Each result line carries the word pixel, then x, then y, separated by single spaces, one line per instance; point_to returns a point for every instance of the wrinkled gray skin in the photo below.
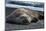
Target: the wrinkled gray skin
pixel 23 16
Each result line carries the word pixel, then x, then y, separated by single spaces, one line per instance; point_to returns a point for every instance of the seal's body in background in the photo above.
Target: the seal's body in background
pixel 23 16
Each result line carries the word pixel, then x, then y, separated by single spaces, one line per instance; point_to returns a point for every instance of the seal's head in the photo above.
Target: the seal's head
pixel 22 16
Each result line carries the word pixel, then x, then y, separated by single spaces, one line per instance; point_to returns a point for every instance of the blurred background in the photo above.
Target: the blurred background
pixel 13 4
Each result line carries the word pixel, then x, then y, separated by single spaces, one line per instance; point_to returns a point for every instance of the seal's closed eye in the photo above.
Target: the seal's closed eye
pixel 17 15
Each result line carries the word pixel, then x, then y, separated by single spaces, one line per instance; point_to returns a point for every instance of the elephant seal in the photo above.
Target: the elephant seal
pixel 23 16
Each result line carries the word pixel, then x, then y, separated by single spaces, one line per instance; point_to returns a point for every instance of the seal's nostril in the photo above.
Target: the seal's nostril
pixel 25 21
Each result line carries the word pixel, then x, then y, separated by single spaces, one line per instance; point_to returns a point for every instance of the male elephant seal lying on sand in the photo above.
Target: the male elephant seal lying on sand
pixel 23 16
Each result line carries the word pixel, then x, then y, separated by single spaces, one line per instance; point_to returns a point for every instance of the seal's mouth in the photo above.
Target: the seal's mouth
pixel 22 20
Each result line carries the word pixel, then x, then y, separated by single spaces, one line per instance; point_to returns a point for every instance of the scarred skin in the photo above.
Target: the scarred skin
pixel 23 16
